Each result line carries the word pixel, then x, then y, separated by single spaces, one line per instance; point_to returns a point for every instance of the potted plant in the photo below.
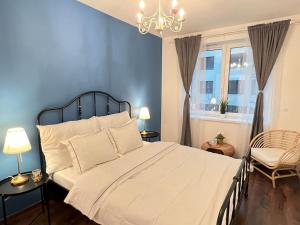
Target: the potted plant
pixel 220 138
pixel 223 106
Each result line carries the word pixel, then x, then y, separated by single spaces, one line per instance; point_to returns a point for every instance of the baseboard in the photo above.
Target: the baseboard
pixel 31 206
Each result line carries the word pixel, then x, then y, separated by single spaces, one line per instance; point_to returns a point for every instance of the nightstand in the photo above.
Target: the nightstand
pixel 150 135
pixel 226 149
pixel 7 190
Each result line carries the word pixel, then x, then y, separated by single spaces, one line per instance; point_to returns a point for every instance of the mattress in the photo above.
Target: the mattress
pixel 66 178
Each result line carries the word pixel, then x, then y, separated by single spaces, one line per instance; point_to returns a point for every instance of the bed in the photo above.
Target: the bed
pixel 159 183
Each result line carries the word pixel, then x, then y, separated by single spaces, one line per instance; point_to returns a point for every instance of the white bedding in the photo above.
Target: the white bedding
pixel 66 178
pixel 160 183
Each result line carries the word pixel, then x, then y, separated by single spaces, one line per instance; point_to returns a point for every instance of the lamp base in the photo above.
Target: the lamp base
pixel 144 132
pixel 19 180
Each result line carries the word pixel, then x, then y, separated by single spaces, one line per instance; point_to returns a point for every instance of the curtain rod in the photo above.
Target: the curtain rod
pixel 296 22
pixel 242 30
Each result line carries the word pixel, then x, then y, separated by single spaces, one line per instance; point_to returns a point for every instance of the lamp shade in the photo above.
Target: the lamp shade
pixel 16 141
pixel 144 113
pixel 213 101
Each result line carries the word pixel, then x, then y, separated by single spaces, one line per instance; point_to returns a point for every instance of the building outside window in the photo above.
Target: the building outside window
pixel 208 62
pixel 206 87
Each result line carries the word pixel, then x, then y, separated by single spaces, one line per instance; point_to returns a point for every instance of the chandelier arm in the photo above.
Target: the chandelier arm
pixel 145 25
pixel 169 20
pixel 144 28
pixel 176 26
pixel 150 17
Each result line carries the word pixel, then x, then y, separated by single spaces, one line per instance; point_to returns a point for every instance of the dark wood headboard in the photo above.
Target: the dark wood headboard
pixel 108 105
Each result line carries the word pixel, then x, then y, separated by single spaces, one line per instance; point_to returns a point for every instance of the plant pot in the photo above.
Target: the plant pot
pixel 220 141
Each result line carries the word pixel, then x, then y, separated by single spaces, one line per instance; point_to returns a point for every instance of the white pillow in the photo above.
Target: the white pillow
pixel 127 137
pixel 87 151
pixel 56 155
pixel 113 120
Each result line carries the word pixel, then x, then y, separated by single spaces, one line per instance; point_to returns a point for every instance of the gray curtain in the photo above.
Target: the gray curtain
pixel 266 41
pixel 187 50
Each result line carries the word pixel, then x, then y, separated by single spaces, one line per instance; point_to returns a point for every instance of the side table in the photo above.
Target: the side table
pixel 7 190
pixel 226 148
pixel 150 135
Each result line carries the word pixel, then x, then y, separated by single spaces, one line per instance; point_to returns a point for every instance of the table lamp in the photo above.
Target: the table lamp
pixel 16 142
pixel 144 115
pixel 213 102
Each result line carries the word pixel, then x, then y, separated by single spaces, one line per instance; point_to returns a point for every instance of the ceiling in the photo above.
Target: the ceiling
pixel 203 14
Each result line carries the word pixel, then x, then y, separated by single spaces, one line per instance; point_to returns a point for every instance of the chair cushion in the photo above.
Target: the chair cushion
pixel 268 156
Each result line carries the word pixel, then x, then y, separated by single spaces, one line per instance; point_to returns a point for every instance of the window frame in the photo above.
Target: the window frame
pixel 224 82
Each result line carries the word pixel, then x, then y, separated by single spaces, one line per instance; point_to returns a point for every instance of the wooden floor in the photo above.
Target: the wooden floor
pixel 268 206
pixel 264 206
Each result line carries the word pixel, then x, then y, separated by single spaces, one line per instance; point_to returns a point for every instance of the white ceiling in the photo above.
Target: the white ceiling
pixel 203 14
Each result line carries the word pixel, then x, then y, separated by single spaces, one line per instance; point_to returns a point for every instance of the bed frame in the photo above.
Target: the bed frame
pixel 237 190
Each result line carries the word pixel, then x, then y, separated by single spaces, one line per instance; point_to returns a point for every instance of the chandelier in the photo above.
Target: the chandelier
pixel 160 20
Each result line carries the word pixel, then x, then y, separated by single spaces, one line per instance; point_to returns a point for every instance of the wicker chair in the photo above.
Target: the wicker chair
pixel 277 150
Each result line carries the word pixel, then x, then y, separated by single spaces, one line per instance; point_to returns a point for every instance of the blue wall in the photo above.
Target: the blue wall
pixel 52 50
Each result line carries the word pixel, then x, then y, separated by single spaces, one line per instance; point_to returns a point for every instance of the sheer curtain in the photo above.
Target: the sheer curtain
pixel 207 80
pixel 199 88
pixel 272 94
pixel 247 101
pixel 200 99
pixel 206 120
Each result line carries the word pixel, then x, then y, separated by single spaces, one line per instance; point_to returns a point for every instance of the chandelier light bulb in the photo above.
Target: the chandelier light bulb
pixel 174 9
pixel 139 18
pixel 174 4
pixel 142 5
pixel 181 14
pixel 160 26
pixel 161 21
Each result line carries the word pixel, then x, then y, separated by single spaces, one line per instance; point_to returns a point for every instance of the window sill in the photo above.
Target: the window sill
pixel 227 118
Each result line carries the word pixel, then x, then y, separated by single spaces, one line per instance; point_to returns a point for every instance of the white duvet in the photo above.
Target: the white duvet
pixel 161 183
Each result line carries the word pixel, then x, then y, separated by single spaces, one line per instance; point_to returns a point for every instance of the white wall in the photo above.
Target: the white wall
pixel 289 113
pixel 288 105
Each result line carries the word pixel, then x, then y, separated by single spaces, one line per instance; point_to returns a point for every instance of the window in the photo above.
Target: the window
pixel 225 70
